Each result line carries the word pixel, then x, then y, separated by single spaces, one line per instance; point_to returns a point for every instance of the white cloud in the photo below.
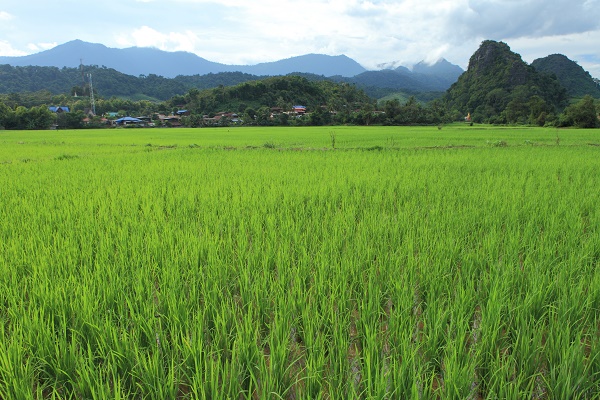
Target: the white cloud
pixel 505 19
pixel 4 16
pixel 6 49
pixel 36 47
pixel 146 36
pixel 369 31
pixel 47 46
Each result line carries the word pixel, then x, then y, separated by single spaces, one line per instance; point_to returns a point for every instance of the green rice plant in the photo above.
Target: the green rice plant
pixel 275 366
pixel 247 355
pixel 17 373
pixel 404 340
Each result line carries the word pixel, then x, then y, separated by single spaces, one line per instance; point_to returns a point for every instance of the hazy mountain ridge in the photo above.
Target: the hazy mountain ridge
pixel 145 61
pixel 137 62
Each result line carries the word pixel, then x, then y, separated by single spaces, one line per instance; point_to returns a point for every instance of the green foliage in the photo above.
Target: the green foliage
pixel 24 118
pixel 5 115
pixel 413 112
pixel 404 96
pixel 259 96
pixel 108 82
pixel 583 114
pixel 70 120
pixel 500 87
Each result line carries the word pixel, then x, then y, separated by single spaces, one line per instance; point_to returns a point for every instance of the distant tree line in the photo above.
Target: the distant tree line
pixel 269 101
pixel 25 118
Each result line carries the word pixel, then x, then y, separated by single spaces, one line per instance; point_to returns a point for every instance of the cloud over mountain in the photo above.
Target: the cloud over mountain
pixel 508 19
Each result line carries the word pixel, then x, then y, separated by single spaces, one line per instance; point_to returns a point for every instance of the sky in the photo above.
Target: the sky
pixel 374 33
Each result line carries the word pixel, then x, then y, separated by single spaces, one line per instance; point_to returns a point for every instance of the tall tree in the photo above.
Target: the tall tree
pixel 583 114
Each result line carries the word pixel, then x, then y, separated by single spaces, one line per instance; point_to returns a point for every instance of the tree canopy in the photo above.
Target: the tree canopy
pixel 281 91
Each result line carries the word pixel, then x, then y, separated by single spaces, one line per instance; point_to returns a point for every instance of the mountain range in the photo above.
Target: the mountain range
pixel 145 61
pixel 158 74
pixel 138 61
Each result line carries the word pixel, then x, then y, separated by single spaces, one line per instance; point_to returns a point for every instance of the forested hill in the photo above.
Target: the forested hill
pixel 571 75
pixel 108 82
pixel 278 91
pixel 500 87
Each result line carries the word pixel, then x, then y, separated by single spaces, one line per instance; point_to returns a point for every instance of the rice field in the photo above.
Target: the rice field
pixel 300 263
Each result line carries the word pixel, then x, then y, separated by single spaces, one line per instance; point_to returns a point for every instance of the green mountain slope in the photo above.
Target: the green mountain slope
pixel 500 87
pixel 571 75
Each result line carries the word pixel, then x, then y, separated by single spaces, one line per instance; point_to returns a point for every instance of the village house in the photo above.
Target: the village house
pixel 170 120
pixel 102 121
pixel 299 110
pixel 220 117
pixel 59 110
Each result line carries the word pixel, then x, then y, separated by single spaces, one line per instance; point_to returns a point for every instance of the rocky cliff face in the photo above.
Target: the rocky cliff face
pixel 496 57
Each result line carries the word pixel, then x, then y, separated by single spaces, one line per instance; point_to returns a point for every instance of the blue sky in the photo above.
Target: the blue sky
pixel 372 32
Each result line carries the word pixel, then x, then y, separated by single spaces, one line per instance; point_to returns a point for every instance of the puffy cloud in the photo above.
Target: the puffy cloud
pixel 4 16
pixel 146 36
pixel 6 49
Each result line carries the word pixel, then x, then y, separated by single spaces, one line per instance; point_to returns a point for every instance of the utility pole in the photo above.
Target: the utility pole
pixel 92 101
pixel 82 76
